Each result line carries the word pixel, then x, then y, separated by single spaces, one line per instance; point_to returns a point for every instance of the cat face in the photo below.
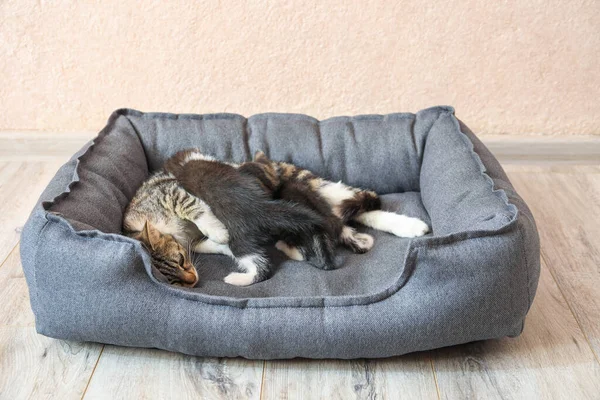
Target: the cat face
pixel 168 256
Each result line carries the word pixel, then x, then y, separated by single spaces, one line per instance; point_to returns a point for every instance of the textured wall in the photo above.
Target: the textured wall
pixel 523 66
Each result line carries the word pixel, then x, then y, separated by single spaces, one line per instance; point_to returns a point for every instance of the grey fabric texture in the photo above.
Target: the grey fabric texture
pixel 473 278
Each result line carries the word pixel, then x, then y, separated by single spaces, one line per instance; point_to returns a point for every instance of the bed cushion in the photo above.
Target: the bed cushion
pixel 474 277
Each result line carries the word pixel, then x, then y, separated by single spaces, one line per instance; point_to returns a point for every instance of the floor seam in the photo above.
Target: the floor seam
pixel 262 380
pixel 9 253
pixel 435 379
pixel 93 371
pixel 585 335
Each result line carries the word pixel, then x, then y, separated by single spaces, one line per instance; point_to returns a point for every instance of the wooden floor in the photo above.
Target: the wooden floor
pixel 557 356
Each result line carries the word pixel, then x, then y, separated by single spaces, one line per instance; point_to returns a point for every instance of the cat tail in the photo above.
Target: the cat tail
pixel 301 227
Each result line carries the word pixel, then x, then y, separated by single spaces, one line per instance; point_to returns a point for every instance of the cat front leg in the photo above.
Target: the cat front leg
pixel 209 247
pixel 193 209
pixel 212 227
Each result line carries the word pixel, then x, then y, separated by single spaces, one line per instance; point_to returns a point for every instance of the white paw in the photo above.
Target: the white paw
pixel 411 227
pixel 210 247
pixel 291 252
pixel 281 246
pixel 224 249
pixel 218 235
pixel 240 279
pixel 364 241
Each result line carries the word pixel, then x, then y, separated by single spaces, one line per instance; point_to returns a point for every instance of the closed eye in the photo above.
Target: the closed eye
pixel 181 260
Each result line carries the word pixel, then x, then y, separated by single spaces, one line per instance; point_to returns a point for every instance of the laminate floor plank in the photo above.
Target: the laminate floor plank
pixel 567 211
pixel 406 377
pixel 21 183
pixel 34 366
pixel 130 373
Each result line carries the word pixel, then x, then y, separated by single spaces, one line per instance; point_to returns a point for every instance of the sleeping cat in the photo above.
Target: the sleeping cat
pixel 199 204
pixel 163 216
pixel 337 203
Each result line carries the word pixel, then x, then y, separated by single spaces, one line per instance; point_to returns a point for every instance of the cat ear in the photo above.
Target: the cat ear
pixel 148 235
pixel 260 156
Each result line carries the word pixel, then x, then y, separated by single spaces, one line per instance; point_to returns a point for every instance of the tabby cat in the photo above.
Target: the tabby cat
pixel 196 203
pixel 337 203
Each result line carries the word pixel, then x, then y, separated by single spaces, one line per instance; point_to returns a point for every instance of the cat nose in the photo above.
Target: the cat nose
pixel 189 277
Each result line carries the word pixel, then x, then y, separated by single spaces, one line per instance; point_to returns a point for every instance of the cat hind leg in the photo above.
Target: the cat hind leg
pixel 358 242
pixel 290 251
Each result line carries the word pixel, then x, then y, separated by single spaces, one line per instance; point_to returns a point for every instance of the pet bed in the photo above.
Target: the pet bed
pixel 474 277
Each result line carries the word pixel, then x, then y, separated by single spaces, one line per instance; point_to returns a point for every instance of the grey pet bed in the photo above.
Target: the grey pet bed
pixel 473 278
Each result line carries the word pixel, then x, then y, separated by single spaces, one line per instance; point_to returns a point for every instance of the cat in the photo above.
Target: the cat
pixel 196 203
pixel 337 203
pixel 165 218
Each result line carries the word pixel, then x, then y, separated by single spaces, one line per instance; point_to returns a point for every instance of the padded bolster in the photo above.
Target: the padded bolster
pixel 106 178
pixel 391 153
pixel 455 189
pixel 379 152
pixel 527 227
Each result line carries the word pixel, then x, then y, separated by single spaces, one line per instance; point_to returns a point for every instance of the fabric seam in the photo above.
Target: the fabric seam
pixel 35 267
pixel 527 268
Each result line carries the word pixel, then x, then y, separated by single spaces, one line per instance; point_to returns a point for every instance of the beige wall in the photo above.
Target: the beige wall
pixel 508 67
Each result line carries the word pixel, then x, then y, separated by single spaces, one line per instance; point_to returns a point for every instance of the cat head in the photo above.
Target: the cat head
pixel 168 256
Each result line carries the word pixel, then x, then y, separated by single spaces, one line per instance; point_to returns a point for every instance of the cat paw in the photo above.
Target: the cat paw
pixel 411 227
pixel 362 242
pixel 240 278
pixel 291 252
pixel 220 236
pixel 210 247
pixel 359 242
